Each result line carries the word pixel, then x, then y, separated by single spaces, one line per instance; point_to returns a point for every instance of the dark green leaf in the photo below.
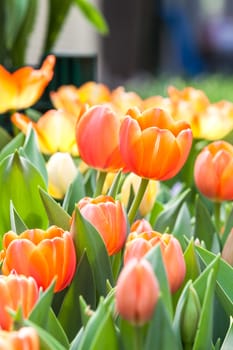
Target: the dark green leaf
pixel 5 138
pixel 228 341
pixel 82 284
pixel 56 214
pixel 75 192
pixel 10 147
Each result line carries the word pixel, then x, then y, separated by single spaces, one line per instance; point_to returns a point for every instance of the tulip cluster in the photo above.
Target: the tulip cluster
pixel 99 225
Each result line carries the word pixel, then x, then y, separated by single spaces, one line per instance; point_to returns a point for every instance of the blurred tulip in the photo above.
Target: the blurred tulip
pixel 67 99
pixel 25 86
pixel 55 131
pixel 97 136
pixel 43 255
pixel 122 100
pixel 25 338
pixel 109 219
pixel 138 244
pixel 93 93
pixel 149 197
pixel 61 172
pixel 137 292
pixel 213 171
pixel 140 226
pixel 17 291
pixel 152 145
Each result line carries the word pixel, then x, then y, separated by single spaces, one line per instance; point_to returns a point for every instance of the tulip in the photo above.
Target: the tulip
pixel 137 292
pixel 153 145
pixel 61 172
pixel 97 136
pixel 93 93
pixel 213 171
pixel 108 218
pixel 149 197
pixel 43 255
pixel 25 86
pixel 138 244
pixel 25 338
pixel 121 100
pixel 17 291
pixel 55 131
pixel 140 226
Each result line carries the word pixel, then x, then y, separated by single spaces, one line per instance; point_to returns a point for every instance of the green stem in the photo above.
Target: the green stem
pixel 137 200
pixel 138 344
pixel 101 176
pixel 217 216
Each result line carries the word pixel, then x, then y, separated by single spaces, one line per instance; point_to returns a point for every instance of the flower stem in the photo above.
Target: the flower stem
pixel 137 200
pixel 100 182
pixel 217 216
pixel 138 338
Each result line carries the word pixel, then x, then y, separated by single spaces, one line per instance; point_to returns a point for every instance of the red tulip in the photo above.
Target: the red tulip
pixel 213 171
pixel 109 219
pixel 138 244
pixel 16 291
pixel 25 86
pixel 25 338
pixel 137 292
pixel 153 145
pixel 43 255
pixel 97 136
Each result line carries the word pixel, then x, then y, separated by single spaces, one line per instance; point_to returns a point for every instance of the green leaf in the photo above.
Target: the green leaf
pixel 57 13
pixel 17 224
pixel 82 284
pixel 100 331
pixel 203 339
pixel 183 225
pixel 228 341
pixel 75 192
pixel 56 214
pixel 224 279
pixel 192 264
pixel 167 218
pixel 164 337
pixel 227 227
pixel 93 15
pixel 5 138
pixel 204 229
pixel 114 189
pixel 39 314
pixel 19 182
pixel 155 211
pixel 31 150
pixel 154 256
pixel 47 341
pixel 18 51
pixel 14 144
pixel 55 329
pixel 88 239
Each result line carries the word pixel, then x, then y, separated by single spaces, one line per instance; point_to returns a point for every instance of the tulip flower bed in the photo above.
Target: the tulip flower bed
pixel 116 218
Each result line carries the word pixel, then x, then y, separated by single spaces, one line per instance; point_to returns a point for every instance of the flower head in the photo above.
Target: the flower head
pixel 26 338
pixel 213 171
pixel 153 145
pixel 137 292
pixel 25 86
pixel 43 255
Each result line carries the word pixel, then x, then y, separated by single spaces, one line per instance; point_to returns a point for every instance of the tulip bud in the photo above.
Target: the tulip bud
pixel 61 172
pixel 137 291
pixel 190 316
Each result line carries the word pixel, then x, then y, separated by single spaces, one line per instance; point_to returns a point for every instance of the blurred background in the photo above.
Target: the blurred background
pixel 147 39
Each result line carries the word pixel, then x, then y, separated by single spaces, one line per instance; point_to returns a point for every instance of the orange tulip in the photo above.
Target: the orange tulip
pixel 122 100
pixel 109 219
pixel 138 244
pixel 25 338
pixel 16 291
pixel 43 255
pixel 153 145
pixel 93 93
pixel 137 292
pixel 25 86
pixel 55 131
pixel 140 225
pixel 97 136
pixel 213 171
